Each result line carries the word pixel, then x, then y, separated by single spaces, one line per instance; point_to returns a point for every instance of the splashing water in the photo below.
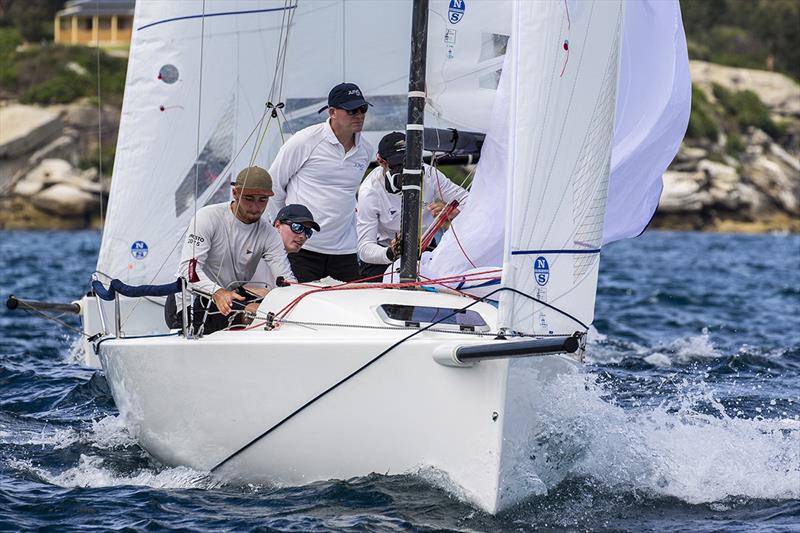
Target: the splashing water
pixel 675 449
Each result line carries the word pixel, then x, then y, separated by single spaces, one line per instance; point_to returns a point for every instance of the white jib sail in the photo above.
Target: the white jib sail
pixel 561 126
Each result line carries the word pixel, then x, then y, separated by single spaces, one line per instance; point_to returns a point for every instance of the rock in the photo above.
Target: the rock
pixel 77 69
pixel 24 128
pixel 790 161
pixel 691 153
pixel 51 171
pixel 683 192
pixel 772 179
pixel 81 115
pixel 66 200
pixel 780 93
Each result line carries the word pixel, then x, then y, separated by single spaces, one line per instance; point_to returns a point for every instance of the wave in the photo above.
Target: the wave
pixel 92 471
pixel 675 449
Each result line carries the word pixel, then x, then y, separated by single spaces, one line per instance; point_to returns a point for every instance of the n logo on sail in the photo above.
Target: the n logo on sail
pixel 456 11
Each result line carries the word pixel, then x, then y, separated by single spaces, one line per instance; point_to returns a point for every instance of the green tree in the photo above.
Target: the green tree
pixel 33 18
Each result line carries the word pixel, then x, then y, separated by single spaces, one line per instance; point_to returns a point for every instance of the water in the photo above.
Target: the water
pixel 688 420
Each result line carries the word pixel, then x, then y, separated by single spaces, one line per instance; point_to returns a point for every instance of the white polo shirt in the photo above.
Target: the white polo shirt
pixel 228 251
pixel 379 212
pixel 313 169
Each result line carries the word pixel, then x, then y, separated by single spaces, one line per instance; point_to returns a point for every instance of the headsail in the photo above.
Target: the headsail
pixel 652 112
pixel 561 125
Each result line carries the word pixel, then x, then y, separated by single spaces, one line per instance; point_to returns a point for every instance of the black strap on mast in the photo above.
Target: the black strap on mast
pixel 412 171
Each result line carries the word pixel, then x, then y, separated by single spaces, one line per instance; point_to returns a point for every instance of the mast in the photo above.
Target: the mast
pixel 412 168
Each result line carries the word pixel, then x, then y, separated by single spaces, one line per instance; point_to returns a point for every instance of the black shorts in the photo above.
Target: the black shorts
pixel 312 266
pixel 214 321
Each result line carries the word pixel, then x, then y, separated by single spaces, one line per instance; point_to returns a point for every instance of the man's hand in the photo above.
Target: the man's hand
pixel 395 248
pixel 436 207
pixel 224 300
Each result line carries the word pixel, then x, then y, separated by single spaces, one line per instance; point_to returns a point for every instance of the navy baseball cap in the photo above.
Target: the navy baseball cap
pixel 392 148
pixel 345 96
pixel 296 213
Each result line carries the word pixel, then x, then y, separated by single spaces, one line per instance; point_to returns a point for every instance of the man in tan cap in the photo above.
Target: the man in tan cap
pixel 224 244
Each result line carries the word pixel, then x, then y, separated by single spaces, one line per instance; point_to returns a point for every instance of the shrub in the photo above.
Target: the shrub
pixel 9 40
pixel 746 109
pixel 63 88
pixel 701 120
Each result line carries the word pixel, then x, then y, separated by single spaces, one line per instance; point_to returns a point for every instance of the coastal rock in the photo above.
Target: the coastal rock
pixel 684 192
pixel 55 172
pixel 772 179
pixel 65 199
pixel 25 128
pixel 780 93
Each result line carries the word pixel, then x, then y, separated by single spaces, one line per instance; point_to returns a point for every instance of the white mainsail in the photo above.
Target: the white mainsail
pixel 256 52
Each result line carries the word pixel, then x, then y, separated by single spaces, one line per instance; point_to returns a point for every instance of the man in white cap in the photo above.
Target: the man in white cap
pixel 225 243
pixel 321 168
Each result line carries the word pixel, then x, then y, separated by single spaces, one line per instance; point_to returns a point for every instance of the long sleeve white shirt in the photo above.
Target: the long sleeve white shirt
pixel 313 169
pixel 228 250
pixel 379 212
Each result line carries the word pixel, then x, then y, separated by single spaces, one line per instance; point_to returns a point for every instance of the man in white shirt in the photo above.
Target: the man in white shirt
pixel 224 244
pixel 380 201
pixel 321 167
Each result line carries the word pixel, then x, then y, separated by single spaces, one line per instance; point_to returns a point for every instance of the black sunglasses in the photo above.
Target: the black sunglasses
pixel 298 228
pixel 363 110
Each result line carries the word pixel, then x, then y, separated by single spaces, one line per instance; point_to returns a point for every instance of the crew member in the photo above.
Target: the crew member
pixel 295 224
pixel 321 167
pixel 379 205
pixel 224 244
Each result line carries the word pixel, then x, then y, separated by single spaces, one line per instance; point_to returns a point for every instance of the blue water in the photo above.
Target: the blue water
pixel 688 418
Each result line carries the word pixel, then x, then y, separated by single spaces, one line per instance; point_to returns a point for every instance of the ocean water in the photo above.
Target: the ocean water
pixel 688 418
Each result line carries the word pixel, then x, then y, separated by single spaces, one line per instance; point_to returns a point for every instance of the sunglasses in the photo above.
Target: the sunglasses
pixel 298 228
pixel 363 110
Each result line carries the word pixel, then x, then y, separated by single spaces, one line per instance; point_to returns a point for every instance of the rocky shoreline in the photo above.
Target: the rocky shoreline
pixel 708 187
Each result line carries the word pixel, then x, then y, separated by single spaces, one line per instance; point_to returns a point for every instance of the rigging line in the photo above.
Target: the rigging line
pixel 197 142
pixel 364 367
pixel 336 385
pixel 283 44
pixel 99 115
pixel 344 41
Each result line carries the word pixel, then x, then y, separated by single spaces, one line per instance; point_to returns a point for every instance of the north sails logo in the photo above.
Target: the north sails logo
pixel 456 11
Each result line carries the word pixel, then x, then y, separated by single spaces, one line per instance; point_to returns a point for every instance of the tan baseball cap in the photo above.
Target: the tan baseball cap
pixel 253 178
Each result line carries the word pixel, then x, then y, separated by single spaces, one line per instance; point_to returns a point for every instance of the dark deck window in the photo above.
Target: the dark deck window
pixel 425 315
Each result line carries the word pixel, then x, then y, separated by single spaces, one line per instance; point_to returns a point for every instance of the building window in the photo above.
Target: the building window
pixel 64 23
pixel 123 23
pixel 104 24
pixel 86 24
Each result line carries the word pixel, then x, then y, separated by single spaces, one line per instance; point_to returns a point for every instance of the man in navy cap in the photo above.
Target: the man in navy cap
pixel 295 225
pixel 321 167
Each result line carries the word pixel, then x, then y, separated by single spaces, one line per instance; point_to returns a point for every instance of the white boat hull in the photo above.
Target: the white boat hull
pixel 196 402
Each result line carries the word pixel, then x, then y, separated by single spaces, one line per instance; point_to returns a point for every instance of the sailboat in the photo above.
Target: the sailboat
pixel 339 380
